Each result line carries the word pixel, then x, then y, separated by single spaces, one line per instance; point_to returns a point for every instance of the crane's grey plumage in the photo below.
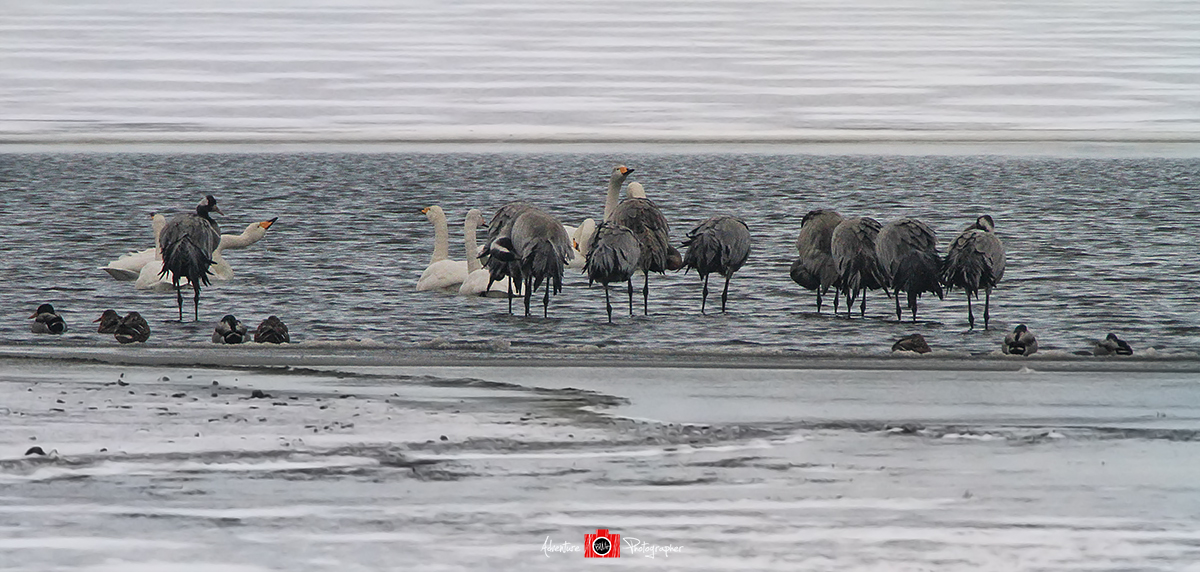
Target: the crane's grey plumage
pixel 188 242
pixel 229 331
pixel 539 248
pixel 47 321
pixel 852 246
pixel 1020 342
pixel 814 269
pixel 499 261
pixel 907 252
pixel 132 328
pixel 108 322
pixel 612 257
pixel 272 331
pixel 975 261
pixel 642 216
pixel 619 173
pixel 720 244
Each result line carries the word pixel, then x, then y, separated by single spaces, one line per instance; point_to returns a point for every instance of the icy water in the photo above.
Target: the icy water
pixel 628 69
pixel 165 467
pixel 1094 245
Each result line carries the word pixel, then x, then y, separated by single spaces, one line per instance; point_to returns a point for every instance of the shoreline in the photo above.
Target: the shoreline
pixel 322 355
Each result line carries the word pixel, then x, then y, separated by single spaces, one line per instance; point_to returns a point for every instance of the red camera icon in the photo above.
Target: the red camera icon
pixel 602 544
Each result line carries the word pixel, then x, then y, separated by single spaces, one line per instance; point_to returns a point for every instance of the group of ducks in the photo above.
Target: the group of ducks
pixel 526 247
pixel 132 327
pixel 1020 342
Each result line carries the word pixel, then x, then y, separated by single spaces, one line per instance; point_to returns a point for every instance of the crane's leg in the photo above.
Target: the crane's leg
pixel 195 301
pixel 510 295
pixel 704 294
pixel 607 303
pixel 836 298
pixel 987 301
pixel 898 318
pixel 528 293
pixel 179 300
pixel 970 314
pixel 725 294
pixel 630 296
pixel 646 295
pixel 818 299
pixel 912 303
pixel 862 309
pixel 546 301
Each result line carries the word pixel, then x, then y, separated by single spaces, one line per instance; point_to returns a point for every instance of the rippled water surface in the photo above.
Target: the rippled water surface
pixel 1094 245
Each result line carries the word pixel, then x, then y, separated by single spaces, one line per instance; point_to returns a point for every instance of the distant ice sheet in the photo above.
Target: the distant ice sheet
pixel 534 69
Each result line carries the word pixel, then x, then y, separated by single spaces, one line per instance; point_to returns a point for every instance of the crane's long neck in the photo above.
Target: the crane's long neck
pixel 441 240
pixel 614 196
pixel 469 242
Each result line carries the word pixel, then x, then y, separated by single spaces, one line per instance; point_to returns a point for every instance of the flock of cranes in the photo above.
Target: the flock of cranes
pixel 527 247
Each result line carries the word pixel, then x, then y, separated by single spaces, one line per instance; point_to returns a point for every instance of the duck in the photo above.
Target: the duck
pixel 108 322
pixel 132 328
pixel 912 343
pixel 272 331
pixel 47 321
pixel 442 273
pixel 1112 345
pixel 229 331
pixel 1021 342
pixel 151 277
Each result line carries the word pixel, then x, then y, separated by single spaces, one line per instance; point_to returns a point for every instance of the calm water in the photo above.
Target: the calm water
pixel 1094 245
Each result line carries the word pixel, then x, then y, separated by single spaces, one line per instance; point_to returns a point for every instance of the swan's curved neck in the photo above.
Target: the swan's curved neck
pixel 614 196
pixel 235 241
pixel 441 239
pixel 469 242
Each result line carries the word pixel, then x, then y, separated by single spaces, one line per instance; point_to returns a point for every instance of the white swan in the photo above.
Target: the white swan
pixel 129 266
pixel 442 272
pixel 478 277
pixel 581 240
pixel 149 279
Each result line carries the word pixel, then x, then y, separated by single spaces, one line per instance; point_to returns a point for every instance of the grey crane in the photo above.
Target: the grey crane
pixel 498 260
pixel 720 244
pixel 852 246
pixel 188 241
pixel 538 247
pixel 612 257
pixel 814 269
pixel 975 261
pixel 907 252
pixel 642 216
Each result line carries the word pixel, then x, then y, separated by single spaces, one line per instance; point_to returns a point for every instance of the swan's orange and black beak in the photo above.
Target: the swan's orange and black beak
pixel 425 210
pixel 267 223
pixel 626 170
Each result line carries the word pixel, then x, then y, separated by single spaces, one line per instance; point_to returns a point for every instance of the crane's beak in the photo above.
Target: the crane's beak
pixel 267 223
pixel 217 210
pixel 482 225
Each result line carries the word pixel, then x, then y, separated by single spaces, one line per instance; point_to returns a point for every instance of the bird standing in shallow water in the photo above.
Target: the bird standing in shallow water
pixel 1020 342
pixel 47 321
pixel 912 343
pixel 642 216
pixel 108 322
pixel 188 242
pixel 272 331
pixel 132 328
pixel 229 331
pixel 612 257
pixel 975 261
pixel 853 249
pixel 907 252
pixel 720 244
pixel 814 269
pixel 1112 345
